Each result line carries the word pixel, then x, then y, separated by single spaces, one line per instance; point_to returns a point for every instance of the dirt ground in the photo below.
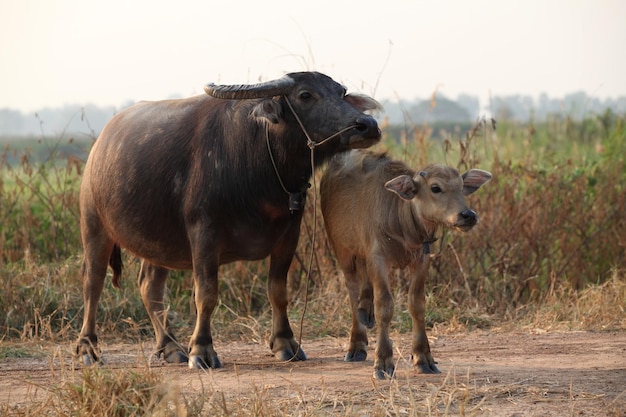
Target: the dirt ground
pixel 523 373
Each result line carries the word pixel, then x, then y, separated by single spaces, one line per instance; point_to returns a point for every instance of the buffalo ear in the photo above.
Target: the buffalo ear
pixel 268 109
pixel 403 186
pixel 474 179
pixel 363 103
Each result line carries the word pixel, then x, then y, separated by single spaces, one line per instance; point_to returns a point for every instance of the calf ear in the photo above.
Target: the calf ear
pixel 363 103
pixel 474 179
pixel 402 185
pixel 268 109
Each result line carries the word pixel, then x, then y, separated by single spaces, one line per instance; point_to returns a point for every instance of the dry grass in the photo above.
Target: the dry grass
pixel 147 391
pixel 597 307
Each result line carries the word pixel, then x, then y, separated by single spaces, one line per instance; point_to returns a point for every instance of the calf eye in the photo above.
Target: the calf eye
pixel 435 189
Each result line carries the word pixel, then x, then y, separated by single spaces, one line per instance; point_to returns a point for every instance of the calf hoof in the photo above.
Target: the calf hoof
pixel 424 363
pixel 389 373
pixel 384 368
pixel 89 360
pixel 87 351
pixel 176 357
pixel 197 362
pixel 355 356
pixel 425 368
pixel 366 318
pixel 172 353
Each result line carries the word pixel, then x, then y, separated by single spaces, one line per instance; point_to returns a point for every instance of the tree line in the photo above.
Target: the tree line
pixel 88 120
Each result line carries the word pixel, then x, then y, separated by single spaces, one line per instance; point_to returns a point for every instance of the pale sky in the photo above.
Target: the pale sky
pixel 56 52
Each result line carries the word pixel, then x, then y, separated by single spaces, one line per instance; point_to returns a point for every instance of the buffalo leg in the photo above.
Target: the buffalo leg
pixel 205 263
pixel 384 366
pixel 201 352
pixel 420 350
pixel 97 251
pixel 152 286
pixel 282 342
pixel 357 350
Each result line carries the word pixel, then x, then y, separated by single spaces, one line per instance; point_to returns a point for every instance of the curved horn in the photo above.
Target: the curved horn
pixel 272 88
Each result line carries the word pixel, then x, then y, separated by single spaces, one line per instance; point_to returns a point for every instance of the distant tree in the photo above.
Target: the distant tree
pixel 11 122
pixel 513 107
pixel 68 120
pixel 439 110
pixel 88 119
pixel 395 112
pixel 469 103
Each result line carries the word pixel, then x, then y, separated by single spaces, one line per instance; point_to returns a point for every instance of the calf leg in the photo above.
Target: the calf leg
pixel 384 366
pixel 357 350
pixel 365 309
pixel 282 342
pixel 152 286
pixel 420 350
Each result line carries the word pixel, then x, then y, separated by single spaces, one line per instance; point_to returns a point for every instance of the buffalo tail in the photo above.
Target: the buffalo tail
pixel 115 262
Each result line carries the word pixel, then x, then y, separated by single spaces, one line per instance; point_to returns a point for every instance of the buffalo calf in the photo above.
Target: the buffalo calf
pixel 380 215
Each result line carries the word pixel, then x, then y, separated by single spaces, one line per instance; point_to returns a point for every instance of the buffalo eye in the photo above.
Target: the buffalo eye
pixel 305 95
pixel 435 189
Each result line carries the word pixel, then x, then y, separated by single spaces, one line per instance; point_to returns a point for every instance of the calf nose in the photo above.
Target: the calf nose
pixel 468 216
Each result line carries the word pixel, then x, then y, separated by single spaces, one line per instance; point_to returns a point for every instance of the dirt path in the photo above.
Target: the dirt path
pixel 483 373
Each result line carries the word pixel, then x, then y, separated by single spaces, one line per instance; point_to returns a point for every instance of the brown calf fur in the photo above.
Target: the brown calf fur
pixel 380 215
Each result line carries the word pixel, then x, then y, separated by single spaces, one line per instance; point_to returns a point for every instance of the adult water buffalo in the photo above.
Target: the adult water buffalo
pixel 200 182
pixel 379 215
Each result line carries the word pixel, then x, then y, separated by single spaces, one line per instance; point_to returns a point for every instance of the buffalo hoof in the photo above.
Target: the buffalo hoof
pixel 355 356
pixel 287 350
pixel 425 368
pixel 289 356
pixel 366 318
pixel 196 362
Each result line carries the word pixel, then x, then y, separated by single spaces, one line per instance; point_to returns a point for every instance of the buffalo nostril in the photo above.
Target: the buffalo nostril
pixel 367 125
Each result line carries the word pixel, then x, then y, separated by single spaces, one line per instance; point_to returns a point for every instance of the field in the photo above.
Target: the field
pixel 526 313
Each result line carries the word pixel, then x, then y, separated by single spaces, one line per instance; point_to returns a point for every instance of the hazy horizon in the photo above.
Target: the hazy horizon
pixel 107 54
pixel 89 119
